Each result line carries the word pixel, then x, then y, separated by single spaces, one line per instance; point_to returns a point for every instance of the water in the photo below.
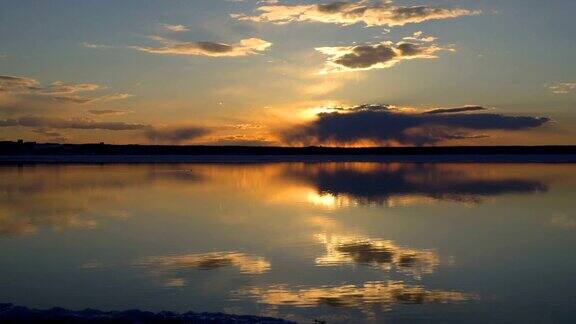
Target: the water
pixel 341 242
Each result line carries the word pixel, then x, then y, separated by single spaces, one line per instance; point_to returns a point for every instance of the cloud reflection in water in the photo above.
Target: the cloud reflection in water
pixel 177 267
pixel 73 197
pixel 346 250
pixel 394 183
pixel 382 294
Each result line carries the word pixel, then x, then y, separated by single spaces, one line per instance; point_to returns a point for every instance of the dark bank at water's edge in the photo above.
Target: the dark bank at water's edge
pixel 31 152
pixel 18 314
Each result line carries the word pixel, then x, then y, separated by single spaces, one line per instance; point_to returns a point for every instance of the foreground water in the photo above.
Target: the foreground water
pixel 340 242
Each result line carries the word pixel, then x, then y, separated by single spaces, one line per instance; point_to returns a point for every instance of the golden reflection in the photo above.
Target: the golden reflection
pixel 563 221
pixel 382 294
pixel 73 197
pixel 343 250
pixel 246 264
pixel 327 200
pixel 82 197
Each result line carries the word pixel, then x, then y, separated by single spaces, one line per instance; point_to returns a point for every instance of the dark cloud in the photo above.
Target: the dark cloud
pixel 382 183
pixel 106 112
pixel 455 110
pixel 61 123
pixel 366 56
pixel 214 47
pixel 175 135
pixel 376 56
pixel 384 125
pixel 334 7
pixel 72 99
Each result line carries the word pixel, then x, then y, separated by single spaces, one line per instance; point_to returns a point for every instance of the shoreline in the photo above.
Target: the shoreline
pixel 174 159
pixel 19 314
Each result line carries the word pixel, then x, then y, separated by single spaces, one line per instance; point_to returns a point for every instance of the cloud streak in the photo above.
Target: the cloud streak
pixel 366 296
pixel 62 123
pixel 384 125
pixel 249 46
pixel 383 13
pixel 58 91
pixel 563 88
pixel 175 28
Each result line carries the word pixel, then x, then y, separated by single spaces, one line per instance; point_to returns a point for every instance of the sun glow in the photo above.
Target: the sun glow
pixel 313 112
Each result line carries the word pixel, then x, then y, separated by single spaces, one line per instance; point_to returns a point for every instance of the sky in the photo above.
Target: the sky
pixel 288 72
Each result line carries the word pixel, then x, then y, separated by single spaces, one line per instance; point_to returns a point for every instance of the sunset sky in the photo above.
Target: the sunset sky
pixel 288 72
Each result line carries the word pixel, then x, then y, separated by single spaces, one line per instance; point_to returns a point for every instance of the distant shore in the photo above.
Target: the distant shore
pixel 18 314
pixel 174 159
pixel 31 152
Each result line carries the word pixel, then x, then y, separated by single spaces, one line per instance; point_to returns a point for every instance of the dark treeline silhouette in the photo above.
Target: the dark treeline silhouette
pixel 32 148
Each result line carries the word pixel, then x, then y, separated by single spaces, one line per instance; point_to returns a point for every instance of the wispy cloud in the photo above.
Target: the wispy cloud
pixel 175 28
pixel 563 88
pixel 95 46
pixel 63 123
pixel 58 91
pixel 249 46
pixel 106 112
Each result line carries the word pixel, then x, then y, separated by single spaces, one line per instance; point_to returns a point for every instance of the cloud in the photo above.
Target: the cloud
pixel 175 135
pixel 61 123
pixel 376 56
pixel 106 112
pixel 383 13
pixel 95 46
pixel 455 110
pixel 563 88
pixel 15 83
pixel 58 91
pixel 29 85
pixel 175 28
pixel 384 125
pixel 249 46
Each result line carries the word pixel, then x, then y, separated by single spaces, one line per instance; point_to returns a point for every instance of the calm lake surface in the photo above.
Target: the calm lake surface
pixel 341 242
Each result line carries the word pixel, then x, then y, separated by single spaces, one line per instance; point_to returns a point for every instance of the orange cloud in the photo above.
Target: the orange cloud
pixel 384 13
